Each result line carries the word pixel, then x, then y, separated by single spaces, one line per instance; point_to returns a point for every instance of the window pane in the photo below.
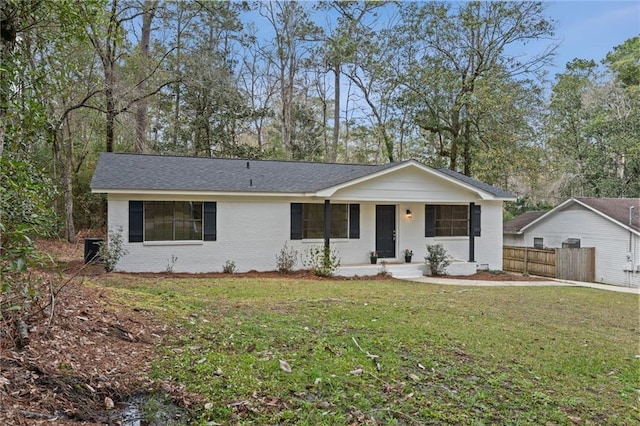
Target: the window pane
pixel 339 221
pixel 313 221
pixel 459 212
pixel 188 230
pixel 158 230
pixel 173 220
pixel 452 220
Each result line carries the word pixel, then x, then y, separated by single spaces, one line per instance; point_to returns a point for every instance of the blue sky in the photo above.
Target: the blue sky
pixel 585 29
pixel 590 29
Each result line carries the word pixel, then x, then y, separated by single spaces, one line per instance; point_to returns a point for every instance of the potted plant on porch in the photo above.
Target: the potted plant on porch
pixel 373 256
pixel 407 255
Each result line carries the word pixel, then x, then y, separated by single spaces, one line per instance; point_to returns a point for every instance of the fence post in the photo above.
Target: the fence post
pixel 526 259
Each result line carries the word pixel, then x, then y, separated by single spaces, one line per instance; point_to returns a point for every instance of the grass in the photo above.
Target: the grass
pixel 394 352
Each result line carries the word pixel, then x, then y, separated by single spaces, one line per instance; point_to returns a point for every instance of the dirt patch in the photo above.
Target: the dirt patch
pixel 81 362
pixel 89 352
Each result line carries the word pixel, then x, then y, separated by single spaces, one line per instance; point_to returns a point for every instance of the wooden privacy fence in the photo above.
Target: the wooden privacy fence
pixel 578 264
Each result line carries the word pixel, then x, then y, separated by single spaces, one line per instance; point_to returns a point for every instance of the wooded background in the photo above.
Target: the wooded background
pixel 361 82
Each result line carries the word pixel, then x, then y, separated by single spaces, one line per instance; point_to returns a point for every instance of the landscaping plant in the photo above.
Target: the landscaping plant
pixel 322 261
pixel 286 259
pixel 437 259
pixel 113 250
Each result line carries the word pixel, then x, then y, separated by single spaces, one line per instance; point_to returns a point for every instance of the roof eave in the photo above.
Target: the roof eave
pixel 133 191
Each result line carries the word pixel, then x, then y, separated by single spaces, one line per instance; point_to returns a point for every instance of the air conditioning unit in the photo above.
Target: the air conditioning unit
pixel 571 243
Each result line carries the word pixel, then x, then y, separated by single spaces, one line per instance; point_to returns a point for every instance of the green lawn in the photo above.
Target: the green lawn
pixel 394 352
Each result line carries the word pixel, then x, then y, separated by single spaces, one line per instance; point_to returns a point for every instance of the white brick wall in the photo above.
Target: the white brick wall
pixel 251 232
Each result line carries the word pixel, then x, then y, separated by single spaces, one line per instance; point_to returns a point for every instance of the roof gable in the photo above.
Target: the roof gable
pixel 624 212
pixel 138 172
pixel 458 180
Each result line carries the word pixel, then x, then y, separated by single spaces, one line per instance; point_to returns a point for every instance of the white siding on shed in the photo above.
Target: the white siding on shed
pixel 610 240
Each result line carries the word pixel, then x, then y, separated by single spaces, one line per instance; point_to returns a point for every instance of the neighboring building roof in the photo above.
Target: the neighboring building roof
pixel 514 225
pixel 617 210
pixel 173 173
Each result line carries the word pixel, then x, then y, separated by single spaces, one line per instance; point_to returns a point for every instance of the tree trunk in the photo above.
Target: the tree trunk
pixel 286 93
pixel 336 114
pixel 8 38
pixel 111 117
pixel 108 62
pixel 327 154
pixel 467 148
pixel 455 136
pixel 176 115
pixel 149 9
pixel 63 156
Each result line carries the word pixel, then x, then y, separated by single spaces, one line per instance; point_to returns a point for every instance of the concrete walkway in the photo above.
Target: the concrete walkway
pixel 550 282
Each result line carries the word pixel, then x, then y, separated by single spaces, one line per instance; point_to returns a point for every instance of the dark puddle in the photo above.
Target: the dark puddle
pixel 149 410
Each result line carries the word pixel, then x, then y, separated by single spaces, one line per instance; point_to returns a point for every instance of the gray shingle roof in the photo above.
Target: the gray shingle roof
pixel 174 173
pixel 617 209
pixel 478 184
pixel 514 225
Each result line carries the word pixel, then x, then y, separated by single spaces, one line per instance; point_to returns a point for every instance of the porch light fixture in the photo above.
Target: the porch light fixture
pixel 409 214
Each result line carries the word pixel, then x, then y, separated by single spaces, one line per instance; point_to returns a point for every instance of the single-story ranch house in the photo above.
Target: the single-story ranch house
pixel 611 225
pixel 195 214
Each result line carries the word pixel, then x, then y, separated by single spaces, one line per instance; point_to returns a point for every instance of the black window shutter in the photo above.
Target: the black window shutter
pixel 429 220
pixel 209 217
pixel 354 221
pixel 296 221
pixel 136 221
pixel 476 220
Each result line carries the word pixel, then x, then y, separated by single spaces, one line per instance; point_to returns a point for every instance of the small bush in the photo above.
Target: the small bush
pixel 171 264
pixel 437 259
pixel 286 259
pixel 229 267
pixel 322 261
pixel 113 249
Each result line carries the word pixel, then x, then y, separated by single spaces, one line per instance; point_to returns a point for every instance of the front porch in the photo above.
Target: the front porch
pixel 403 270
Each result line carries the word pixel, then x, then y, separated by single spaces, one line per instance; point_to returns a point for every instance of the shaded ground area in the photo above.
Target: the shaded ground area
pixel 89 351
pixel 82 359
pixel 88 355
pixel 495 276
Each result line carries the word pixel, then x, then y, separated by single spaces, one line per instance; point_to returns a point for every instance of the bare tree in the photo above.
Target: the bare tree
pixel 292 27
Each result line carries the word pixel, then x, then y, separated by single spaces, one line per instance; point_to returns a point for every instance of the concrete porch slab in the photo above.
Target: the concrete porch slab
pixel 402 270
